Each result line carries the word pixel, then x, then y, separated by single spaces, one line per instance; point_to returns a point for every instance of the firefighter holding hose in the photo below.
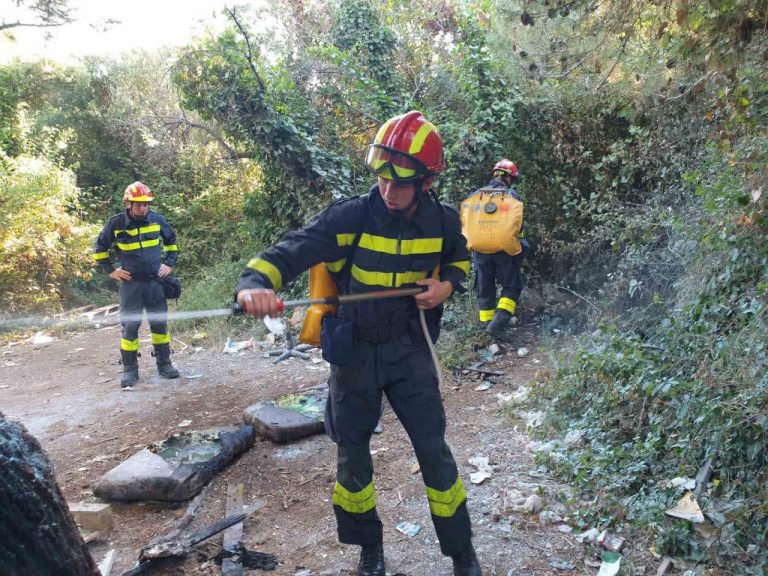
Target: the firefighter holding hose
pixel 396 235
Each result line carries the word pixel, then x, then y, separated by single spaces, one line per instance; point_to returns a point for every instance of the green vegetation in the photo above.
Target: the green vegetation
pixel 640 131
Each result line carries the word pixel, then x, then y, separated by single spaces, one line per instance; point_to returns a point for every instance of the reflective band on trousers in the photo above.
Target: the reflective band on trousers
pixel 355 502
pixel 161 338
pixel 445 503
pixel 486 315
pixel 129 345
pixel 507 304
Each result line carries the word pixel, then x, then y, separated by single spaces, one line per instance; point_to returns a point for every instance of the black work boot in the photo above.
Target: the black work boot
pixel 163 360
pixel 465 563
pixel 497 327
pixel 130 362
pixel 371 560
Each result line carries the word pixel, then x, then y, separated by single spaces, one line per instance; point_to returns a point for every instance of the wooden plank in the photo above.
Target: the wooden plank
pixel 482 371
pixel 92 516
pixel 231 564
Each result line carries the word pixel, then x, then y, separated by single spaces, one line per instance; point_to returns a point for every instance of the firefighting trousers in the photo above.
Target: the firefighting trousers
pixel 402 369
pixel 503 269
pixel 135 297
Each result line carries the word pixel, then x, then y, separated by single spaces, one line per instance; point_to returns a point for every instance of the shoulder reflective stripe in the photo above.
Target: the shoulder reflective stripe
pixel 408 278
pixel 421 246
pixel 160 338
pixel 355 502
pixel 507 304
pixel 444 503
pixel 171 248
pixel 378 243
pixel 345 239
pixel 486 315
pixel 372 278
pixel 269 270
pixel 463 265
pixel 418 140
pixel 101 255
pixel 129 345
pixel 336 266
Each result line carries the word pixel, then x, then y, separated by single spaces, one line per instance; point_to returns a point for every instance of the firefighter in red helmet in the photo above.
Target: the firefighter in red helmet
pixel 146 249
pixel 396 235
pixel 500 266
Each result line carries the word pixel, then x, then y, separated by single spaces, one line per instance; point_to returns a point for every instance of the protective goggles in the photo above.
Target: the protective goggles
pixel 392 164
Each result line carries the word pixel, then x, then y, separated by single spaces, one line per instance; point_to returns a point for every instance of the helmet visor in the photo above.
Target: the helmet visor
pixel 392 164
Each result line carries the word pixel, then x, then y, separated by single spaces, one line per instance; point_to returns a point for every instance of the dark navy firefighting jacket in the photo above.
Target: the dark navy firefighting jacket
pixel 366 248
pixel 141 245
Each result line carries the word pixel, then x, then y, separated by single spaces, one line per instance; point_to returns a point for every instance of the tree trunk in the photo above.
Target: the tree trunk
pixel 37 533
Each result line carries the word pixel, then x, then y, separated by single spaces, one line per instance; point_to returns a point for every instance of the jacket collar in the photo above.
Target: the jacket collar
pixel 426 210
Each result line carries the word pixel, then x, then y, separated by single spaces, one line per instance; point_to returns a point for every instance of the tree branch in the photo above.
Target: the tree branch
pixel 231 12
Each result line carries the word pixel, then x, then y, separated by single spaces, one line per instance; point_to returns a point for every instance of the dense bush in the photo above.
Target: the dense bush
pixel 44 246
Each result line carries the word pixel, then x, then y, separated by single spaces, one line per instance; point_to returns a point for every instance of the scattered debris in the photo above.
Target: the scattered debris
pixel 408 528
pixel 184 423
pixel 193 376
pixel 687 508
pixel 522 352
pixel 681 482
pixel 533 504
pixel 179 548
pixel 574 439
pixel 610 542
pixel 276 326
pixel 485 385
pixel 494 349
pixel 92 517
pixel 664 567
pixel 415 468
pixel 231 347
pixel 105 566
pixel 480 476
pixel 560 564
pixel 588 536
pixel 611 564
pixel 40 340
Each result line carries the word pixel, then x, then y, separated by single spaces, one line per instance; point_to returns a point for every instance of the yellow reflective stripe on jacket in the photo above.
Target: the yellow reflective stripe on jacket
pixel 407 247
pixel 137 245
pixel 100 255
pixel 378 243
pixel 345 239
pixel 462 265
pixel 507 304
pixel 129 345
pixel 171 248
pixel 141 230
pixel 161 338
pixel 385 279
pixel 355 502
pixel 445 503
pixel 408 278
pixel 269 270
pixel 371 278
pixel 336 266
pixel 486 315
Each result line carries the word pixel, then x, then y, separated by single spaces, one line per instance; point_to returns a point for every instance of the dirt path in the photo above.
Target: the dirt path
pixel 67 394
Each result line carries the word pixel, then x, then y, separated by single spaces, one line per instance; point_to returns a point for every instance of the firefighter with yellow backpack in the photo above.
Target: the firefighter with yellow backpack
pixel 492 222
pixel 393 237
